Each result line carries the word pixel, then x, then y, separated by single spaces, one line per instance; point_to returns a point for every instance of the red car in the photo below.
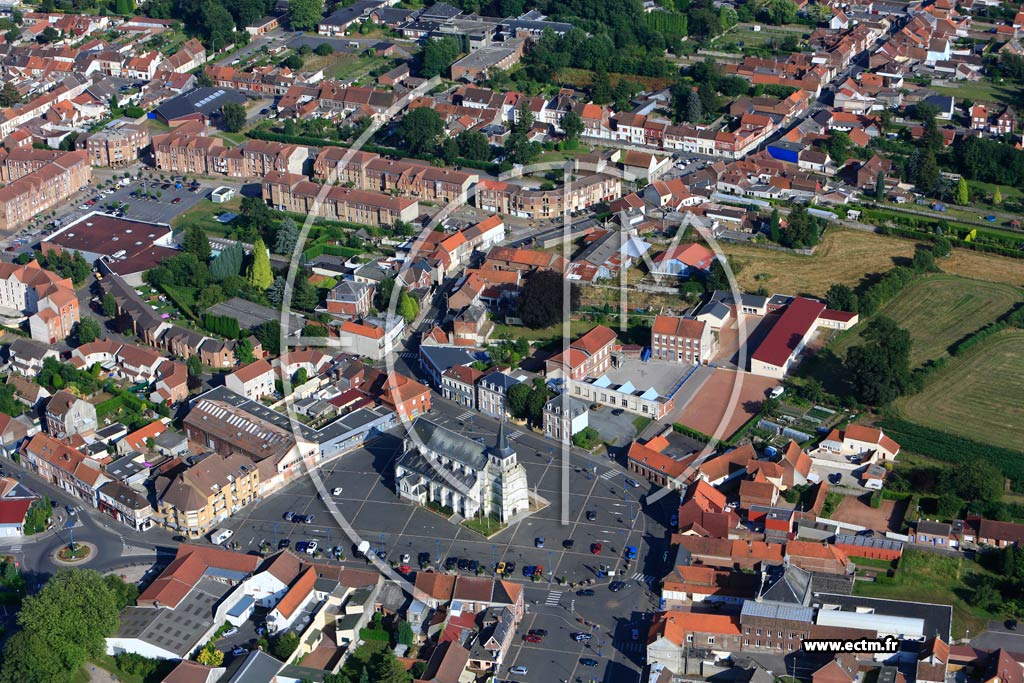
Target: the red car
pixel 404 569
pixel 595 548
pixel 530 638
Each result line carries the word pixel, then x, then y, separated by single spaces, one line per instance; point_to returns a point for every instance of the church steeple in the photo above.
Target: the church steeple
pixel 501 449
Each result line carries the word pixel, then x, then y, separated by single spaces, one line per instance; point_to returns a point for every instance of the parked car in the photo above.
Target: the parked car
pixel 519 670
pixel 633 482
pixel 530 638
pixel 176 200
pixel 405 558
pixel 336 491
pixel 538 542
pixel 239 651
pixel 591 515
pixel 230 632
pixel 585 592
pixel 635 634
pixel 616 586
pixel 289 516
pixel 595 548
pixel 568 543
pixel 581 637
pixel 451 563
pixel 588 661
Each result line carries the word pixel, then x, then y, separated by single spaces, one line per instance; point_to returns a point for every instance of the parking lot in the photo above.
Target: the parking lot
pixel 368 502
pixel 171 202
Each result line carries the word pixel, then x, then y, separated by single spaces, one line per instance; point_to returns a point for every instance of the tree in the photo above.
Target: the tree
pixel 600 87
pixel 775 226
pixel 197 243
pixel 27 659
pixel 9 95
pixel 941 247
pixel 194 365
pixel 408 307
pixel 879 370
pixel 304 295
pixel 324 49
pixel 88 330
pixel 217 24
pixel 382 294
pixel 269 336
pixel 210 655
pixel 275 293
pixel 780 11
pixel 841 298
pixel 949 505
pixel 541 299
pixel 49 35
pixel 716 278
pixel 572 124
pixel 260 275
pixel 109 305
pixel 880 186
pixel 977 479
pixel 474 145
pixel 437 55
pixel 305 14
pixel 233 117
pixel 928 172
pixel 420 130
pixel 228 262
pixel 839 146
pixel 82 593
pixel 694 107
pixel 284 645
pixel 997 196
pixel 518 400
pixel 518 148
pixel 385 668
pixel 963 195
pixel 405 634
pixel 924 260
pixel 287 236
pixel 244 352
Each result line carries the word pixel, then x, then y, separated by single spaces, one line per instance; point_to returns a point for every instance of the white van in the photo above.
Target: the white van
pixel 218 536
pixel 777 391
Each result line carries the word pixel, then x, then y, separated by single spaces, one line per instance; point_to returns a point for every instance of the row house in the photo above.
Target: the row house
pixel 38 192
pixel 681 340
pixel 508 198
pixel 188 149
pixel 294 193
pixel 265 80
pixel 193 500
pixel 334 97
pixel 49 299
pixel 588 356
pixel 190 56
pixel 125 504
pixel 65 467
pixel 14 117
pixel 116 146
pixel 67 415
pixel 410 177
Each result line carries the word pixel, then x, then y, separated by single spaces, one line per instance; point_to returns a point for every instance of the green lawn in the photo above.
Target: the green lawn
pixel 926 577
pixel 484 527
pixel 978 395
pixel 982 91
pixel 204 214
pixel 577 328
pixel 939 310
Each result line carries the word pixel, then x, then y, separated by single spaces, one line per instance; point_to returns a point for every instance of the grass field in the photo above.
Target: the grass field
pixel 844 256
pixel 204 214
pixel 983 266
pixel 978 395
pixel 981 91
pixel 926 577
pixel 939 310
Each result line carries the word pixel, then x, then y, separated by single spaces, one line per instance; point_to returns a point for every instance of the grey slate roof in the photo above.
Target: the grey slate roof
pixel 450 444
pixel 777 610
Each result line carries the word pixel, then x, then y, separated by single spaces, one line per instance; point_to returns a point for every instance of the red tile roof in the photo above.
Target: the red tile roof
pixel 784 338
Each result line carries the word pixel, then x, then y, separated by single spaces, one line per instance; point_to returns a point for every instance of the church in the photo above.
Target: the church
pixel 450 469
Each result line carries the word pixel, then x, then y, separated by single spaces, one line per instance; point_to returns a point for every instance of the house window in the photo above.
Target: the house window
pixel 689 638
pixel 711 640
pixel 757 643
pixel 758 631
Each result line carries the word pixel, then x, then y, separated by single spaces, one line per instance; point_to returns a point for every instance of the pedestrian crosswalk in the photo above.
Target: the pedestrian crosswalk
pixel 631 646
pixel 610 474
pixel 513 435
pixel 408 355
pixel 554 598
pixel 643 578
pixel 15 549
pixel 466 415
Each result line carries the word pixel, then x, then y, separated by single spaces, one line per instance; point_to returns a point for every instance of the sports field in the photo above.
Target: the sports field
pixel 939 310
pixel 978 395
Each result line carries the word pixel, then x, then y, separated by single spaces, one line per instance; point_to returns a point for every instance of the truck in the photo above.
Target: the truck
pixel 218 536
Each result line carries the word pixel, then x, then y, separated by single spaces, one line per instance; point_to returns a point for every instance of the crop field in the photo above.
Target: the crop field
pixel 938 310
pixel 978 395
